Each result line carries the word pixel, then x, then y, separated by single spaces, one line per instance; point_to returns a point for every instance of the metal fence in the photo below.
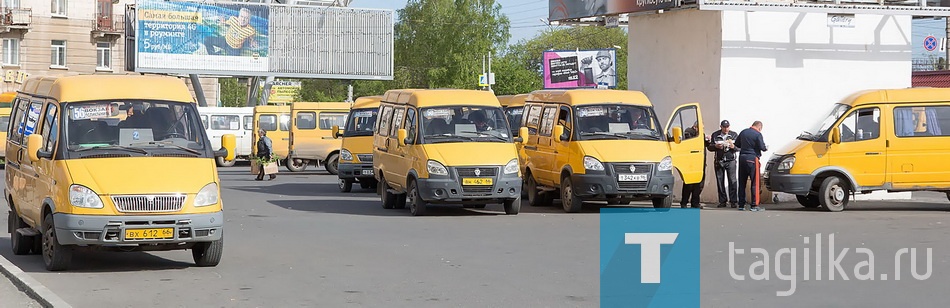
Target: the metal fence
pixel 919 65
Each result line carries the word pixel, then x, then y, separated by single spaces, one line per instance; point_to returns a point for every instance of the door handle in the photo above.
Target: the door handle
pixel 872 153
pixel 531 147
pixel 285 139
pixel 382 149
pixel 694 151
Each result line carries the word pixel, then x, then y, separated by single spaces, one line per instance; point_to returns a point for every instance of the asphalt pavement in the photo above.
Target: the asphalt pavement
pixel 297 241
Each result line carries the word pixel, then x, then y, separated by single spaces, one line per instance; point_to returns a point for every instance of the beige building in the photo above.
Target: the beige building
pixel 67 37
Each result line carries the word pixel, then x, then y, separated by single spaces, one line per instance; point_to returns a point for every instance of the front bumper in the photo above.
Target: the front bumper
pixel 798 184
pixel 450 190
pixel 355 171
pixel 607 185
pixel 110 230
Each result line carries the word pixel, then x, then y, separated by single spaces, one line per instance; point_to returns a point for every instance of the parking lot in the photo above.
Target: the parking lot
pixel 297 241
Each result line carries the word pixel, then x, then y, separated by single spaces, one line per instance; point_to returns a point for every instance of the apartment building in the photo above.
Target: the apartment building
pixel 67 37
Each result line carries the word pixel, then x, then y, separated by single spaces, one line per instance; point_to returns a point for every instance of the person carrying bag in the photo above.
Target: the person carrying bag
pixel 264 157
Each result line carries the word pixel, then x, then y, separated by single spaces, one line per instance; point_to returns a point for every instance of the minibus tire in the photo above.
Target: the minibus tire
pixel 368 184
pixel 388 198
pixel 224 163
pixel 834 194
pixel 417 206
pixel 809 201
pixel 346 185
pixel 56 257
pixel 663 203
pixel 513 206
pixel 948 195
pixel 535 197
pixel 400 201
pixel 293 167
pixel 208 254
pixel 569 200
pixel 332 164
pixel 21 244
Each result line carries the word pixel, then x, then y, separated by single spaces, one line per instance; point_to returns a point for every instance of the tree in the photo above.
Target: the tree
pixel 440 43
pixel 232 94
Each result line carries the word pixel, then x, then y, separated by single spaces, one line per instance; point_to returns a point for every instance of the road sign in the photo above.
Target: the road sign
pixel 930 43
pixel 486 79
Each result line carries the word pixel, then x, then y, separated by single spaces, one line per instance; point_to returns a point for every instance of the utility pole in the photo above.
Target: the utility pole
pixel 946 57
pixel 488 77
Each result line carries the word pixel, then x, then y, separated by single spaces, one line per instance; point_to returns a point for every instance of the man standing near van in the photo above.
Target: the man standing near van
pixel 723 144
pixel 751 145
pixel 691 192
pixel 264 147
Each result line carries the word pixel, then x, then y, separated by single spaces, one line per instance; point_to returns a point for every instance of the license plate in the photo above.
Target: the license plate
pixel 633 177
pixel 147 234
pixel 477 181
pixel 368 172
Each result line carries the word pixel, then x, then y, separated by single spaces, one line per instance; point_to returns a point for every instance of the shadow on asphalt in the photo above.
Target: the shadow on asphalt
pixel 97 261
pixel 374 208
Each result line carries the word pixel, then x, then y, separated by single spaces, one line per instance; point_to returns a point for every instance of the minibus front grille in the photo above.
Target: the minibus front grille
pixel 632 185
pixel 633 168
pixel 482 171
pixel 148 203
pixel 366 158
pixel 638 168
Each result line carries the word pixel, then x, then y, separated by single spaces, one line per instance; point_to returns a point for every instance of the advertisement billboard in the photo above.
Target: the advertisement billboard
pixel 580 68
pixel 283 91
pixel 573 9
pixel 201 36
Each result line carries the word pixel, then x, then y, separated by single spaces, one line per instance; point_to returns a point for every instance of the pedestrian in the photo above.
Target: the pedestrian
pixel 751 145
pixel 691 192
pixel 723 143
pixel 264 152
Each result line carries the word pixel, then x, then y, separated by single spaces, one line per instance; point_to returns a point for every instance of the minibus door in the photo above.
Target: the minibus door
pixel 687 154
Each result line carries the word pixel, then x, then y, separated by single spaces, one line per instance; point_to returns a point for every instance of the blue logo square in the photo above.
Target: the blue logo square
pixel 649 257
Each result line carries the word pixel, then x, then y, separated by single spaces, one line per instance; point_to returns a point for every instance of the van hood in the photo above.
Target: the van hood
pixel 142 175
pixel 793 147
pixel 625 150
pixel 472 153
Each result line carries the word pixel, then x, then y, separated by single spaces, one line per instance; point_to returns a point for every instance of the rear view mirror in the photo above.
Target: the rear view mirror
pixel 835 136
pixel 401 134
pixel 33 144
pixel 335 131
pixel 677 134
pixel 523 132
pixel 558 132
pixel 228 146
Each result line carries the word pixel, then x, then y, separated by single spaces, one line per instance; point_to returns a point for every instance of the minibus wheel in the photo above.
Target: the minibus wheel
pixel 332 164
pixel 535 197
pixel 663 203
pixel 513 206
pixel 224 163
pixel 296 164
pixel 569 200
pixel 417 206
pixel 346 185
pixel 21 244
pixel 367 184
pixel 388 198
pixel 810 201
pixel 834 194
pixel 55 256
pixel 948 195
pixel 208 254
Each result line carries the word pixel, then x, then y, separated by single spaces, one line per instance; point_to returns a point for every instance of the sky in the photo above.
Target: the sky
pixel 526 15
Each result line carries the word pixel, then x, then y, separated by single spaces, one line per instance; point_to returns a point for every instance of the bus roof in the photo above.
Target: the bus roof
pixel 272 108
pixel 367 102
pixel 108 87
pixel 441 97
pixel 908 95
pixel 512 100
pixel 589 96
pixel 226 110
pixel 320 106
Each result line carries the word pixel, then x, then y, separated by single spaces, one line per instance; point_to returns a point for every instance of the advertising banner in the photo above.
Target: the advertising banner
pixel 284 91
pixel 572 9
pixel 194 37
pixel 580 69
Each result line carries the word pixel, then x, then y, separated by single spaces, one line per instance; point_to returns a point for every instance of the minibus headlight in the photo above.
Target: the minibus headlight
pixel 346 155
pixel 207 195
pixel 512 167
pixel 786 163
pixel 436 168
pixel 82 196
pixel 666 164
pixel 591 163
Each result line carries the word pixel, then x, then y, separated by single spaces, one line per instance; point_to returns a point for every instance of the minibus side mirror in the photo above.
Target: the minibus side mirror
pixel 835 136
pixel 523 133
pixel 401 134
pixel 33 144
pixel 558 132
pixel 335 131
pixel 228 147
pixel 677 134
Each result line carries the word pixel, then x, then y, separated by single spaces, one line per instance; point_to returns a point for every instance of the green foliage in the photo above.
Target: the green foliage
pixel 263 161
pixel 232 94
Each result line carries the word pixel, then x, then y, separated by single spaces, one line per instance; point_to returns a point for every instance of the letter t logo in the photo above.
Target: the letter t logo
pixel 650 252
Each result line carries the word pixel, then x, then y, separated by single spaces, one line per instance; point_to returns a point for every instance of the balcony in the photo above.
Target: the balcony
pixel 108 25
pixel 15 18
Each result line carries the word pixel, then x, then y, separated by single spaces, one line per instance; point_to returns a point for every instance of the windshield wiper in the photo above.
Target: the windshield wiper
pixel 605 135
pixel 114 147
pixel 483 134
pixel 649 137
pixel 805 135
pixel 162 144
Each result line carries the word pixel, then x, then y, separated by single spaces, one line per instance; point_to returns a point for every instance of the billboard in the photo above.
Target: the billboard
pixel 283 91
pixel 573 9
pixel 580 68
pixel 193 36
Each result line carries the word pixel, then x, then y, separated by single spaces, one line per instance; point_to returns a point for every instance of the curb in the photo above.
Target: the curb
pixel 34 289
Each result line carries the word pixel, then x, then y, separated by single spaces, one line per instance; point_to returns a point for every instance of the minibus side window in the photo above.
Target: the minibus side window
pixel 225 122
pixel 564 119
pixel 50 127
pixel 861 124
pixel 268 122
pixel 547 122
pixel 31 117
pixel 285 122
pixel 306 120
pixel 329 119
pixel 411 125
pixel 384 122
pixel 14 114
pixel 248 122
pixel 533 119
pixel 921 121
pixel 16 125
pixel 398 115
pixel 204 121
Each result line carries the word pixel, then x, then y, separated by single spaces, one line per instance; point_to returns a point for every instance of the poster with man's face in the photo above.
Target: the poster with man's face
pixel 580 69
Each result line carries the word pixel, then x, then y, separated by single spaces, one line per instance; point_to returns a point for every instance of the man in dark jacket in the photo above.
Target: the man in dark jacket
pixel 751 145
pixel 722 142
pixel 265 149
pixel 691 192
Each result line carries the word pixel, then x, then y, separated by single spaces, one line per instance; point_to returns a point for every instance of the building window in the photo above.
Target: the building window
pixel 58 7
pixel 58 53
pixel 104 56
pixel 11 51
pixel 11 4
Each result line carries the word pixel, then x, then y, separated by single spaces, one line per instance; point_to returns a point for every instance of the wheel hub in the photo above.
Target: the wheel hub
pixel 837 194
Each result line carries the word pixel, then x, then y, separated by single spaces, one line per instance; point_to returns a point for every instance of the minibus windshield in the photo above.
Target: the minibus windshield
pixel 615 121
pixel 135 127
pixel 464 123
pixel 514 118
pixel 361 122
pixel 818 130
